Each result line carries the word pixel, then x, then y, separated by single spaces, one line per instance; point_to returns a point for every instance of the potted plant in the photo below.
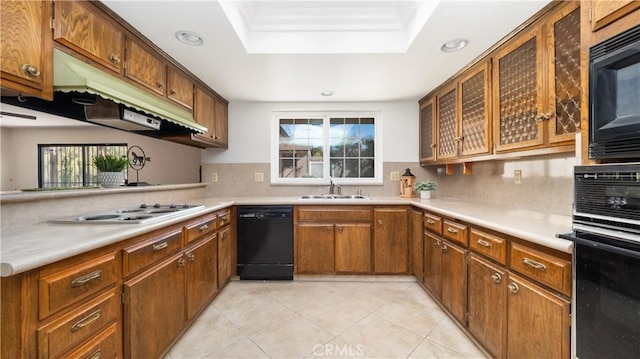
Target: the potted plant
pixel 425 188
pixel 110 169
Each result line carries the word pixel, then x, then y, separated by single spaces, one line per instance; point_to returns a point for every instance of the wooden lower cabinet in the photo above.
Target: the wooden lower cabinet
pixel 416 250
pixel 454 279
pixel 202 274
pixel 513 317
pixel 226 249
pixel 537 321
pixel 154 308
pixel 487 303
pixel 390 238
pixel 433 264
pixel 353 248
pixel 314 249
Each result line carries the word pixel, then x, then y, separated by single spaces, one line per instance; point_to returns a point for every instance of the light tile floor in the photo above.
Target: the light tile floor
pixel 368 317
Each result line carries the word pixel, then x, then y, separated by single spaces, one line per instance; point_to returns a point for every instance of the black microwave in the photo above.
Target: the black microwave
pixel 614 97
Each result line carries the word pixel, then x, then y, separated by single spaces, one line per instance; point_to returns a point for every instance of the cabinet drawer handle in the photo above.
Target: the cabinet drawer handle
pixel 203 228
pixel 30 70
pixel 86 321
pixel 96 355
pixel 537 265
pixel 452 230
pixel 114 58
pixel 431 221
pixel 159 246
pixel 444 248
pixel 225 218
pixel 181 262
pixel 191 257
pixel 86 278
pixel 496 278
pixel 484 243
pixel 543 117
pixel 513 288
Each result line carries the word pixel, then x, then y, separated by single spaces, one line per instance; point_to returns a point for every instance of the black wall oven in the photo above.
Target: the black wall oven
pixel 614 97
pixel 606 262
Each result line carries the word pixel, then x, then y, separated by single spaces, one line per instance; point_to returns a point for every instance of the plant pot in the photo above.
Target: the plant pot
pixel 425 194
pixel 111 179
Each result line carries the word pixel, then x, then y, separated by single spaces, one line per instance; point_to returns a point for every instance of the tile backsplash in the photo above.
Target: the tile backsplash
pixel 547 182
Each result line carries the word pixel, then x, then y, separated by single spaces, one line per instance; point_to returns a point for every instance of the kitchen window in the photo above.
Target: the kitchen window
pixel 69 166
pixel 314 147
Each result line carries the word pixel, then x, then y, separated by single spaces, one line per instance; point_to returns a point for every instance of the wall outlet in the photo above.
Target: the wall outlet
pixel 258 176
pixel 394 176
pixel 214 177
pixel 517 176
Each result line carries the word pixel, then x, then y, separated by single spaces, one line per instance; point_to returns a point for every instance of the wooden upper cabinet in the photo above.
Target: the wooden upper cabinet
pixel 221 125
pixel 447 123
pixel 604 12
pixel 205 113
pixel 475 111
pixel 83 29
pixel 145 67
pixel 27 47
pixel 427 131
pixel 563 53
pixel 517 93
pixel 180 88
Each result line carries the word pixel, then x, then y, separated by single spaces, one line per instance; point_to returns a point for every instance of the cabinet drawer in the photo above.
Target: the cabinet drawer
pixel 224 217
pixel 146 253
pixel 103 346
pixel 433 223
pixel 545 268
pixel 334 214
pixel 79 325
pixel 489 245
pixel 70 285
pixel 204 225
pixel 456 232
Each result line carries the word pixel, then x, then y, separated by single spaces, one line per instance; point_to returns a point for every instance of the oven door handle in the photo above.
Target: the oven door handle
pixel 602 246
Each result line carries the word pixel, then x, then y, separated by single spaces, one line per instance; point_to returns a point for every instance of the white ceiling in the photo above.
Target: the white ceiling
pixel 302 74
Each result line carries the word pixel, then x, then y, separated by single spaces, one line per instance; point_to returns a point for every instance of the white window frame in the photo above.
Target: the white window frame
pixel 377 179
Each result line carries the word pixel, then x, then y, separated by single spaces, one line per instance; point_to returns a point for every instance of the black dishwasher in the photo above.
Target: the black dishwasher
pixel 265 242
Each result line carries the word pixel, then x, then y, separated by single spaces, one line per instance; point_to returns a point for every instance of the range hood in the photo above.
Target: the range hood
pixel 119 104
pixel 83 92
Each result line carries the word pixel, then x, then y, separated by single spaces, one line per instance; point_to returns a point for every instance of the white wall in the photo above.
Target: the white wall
pixel 171 163
pixel 249 132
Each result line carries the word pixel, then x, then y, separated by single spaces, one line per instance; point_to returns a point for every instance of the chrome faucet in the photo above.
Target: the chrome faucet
pixel 332 186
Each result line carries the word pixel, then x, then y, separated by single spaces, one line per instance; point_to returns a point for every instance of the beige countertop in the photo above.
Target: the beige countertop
pixel 29 247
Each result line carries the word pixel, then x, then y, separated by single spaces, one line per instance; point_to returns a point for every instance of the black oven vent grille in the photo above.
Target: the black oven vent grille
pixel 616 42
pixel 591 197
pixel 604 223
pixel 620 149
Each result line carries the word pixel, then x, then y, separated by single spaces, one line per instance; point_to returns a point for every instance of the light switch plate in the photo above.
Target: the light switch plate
pixel 214 177
pixel 394 176
pixel 258 176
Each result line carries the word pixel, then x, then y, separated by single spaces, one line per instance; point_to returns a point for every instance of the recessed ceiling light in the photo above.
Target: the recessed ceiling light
pixel 326 93
pixel 189 38
pixel 454 45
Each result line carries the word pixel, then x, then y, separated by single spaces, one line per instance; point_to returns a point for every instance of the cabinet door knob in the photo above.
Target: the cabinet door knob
pixel 444 248
pixel 30 70
pixel 96 355
pixel 436 244
pixel 181 262
pixel 328 229
pixel 340 229
pixel 114 58
pixel 496 278
pixel 380 222
pixel 173 92
pixel 543 116
pixel 159 84
pixel 513 288
pixel 191 257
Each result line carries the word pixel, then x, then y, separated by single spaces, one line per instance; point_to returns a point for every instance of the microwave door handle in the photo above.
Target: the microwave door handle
pixel 602 246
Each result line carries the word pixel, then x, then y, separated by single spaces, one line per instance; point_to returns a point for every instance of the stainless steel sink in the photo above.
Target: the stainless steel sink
pixel 334 196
